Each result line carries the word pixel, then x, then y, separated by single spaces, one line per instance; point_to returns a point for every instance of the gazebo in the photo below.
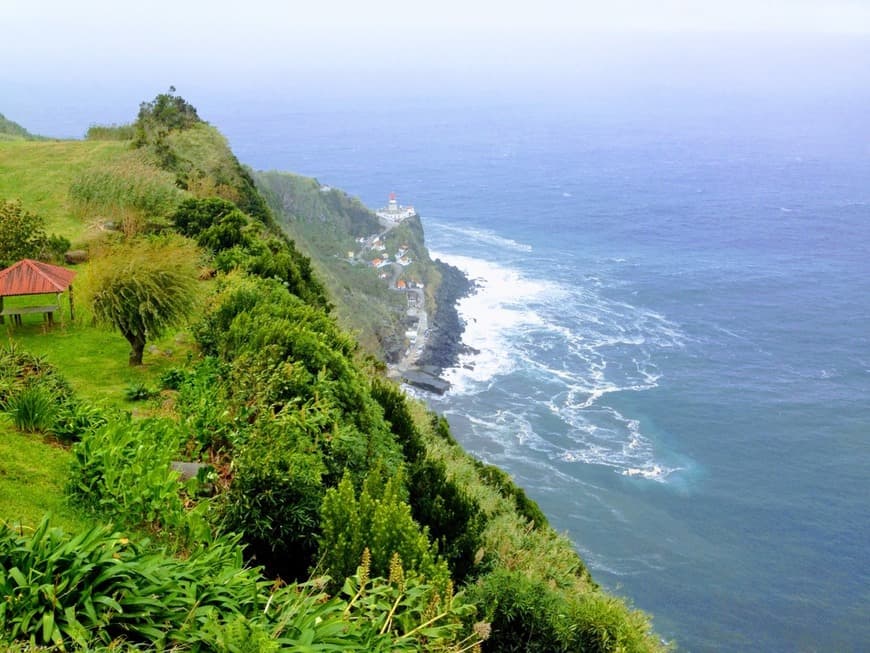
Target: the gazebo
pixel 28 277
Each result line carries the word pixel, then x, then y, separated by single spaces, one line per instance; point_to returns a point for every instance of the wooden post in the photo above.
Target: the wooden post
pixel 2 319
pixel 72 310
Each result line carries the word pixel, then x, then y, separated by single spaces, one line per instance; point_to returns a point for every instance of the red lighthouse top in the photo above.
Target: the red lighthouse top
pixel 392 197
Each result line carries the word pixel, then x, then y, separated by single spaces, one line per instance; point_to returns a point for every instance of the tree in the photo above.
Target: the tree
pixel 22 235
pixel 165 112
pixel 144 287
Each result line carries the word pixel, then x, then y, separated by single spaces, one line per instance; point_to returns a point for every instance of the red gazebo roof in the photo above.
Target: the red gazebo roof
pixel 28 277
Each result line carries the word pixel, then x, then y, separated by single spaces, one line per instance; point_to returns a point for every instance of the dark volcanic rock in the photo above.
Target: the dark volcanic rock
pixel 76 256
pixel 444 344
pixel 425 381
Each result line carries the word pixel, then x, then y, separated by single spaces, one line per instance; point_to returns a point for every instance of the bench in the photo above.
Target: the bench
pixel 16 312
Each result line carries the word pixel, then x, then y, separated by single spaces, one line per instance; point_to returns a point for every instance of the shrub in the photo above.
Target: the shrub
pixel 286 356
pixel 138 392
pixel 524 615
pixel 231 259
pixel 122 471
pixel 209 421
pixel 378 519
pixel 22 235
pixel 19 368
pixel 407 612
pixel 500 480
pixel 528 615
pixel 173 378
pixel 441 427
pixel 454 520
pixel 293 270
pixel 214 223
pixel 165 112
pixel 274 502
pixel 75 418
pixel 32 409
pixel 396 412
pixel 110 133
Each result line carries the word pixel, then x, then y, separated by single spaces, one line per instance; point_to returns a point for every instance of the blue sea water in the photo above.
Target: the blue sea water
pixel 673 327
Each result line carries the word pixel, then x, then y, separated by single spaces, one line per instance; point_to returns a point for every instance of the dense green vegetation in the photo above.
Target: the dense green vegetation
pixel 326 511
pixel 326 222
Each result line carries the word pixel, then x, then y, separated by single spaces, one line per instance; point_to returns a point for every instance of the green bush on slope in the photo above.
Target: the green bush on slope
pixel 377 520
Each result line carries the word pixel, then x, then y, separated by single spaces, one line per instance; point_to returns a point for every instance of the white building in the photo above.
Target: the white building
pixel 393 212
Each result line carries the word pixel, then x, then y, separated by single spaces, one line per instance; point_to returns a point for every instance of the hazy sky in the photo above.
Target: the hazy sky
pixel 86 39
pixel 115 52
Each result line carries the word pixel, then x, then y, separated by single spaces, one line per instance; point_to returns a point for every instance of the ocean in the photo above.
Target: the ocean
pixel 672 326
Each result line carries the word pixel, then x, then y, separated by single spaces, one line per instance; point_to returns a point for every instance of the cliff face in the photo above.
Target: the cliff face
pixel 344 240
pixel 327 224
pixel 444 345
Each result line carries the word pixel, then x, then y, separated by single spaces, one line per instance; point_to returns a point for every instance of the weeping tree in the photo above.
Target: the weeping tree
pixel 143 287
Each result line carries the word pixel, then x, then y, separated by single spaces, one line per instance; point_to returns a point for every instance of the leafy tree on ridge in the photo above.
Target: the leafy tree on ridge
pixel 143 287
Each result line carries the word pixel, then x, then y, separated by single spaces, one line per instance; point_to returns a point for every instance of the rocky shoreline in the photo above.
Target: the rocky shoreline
pixel 444 343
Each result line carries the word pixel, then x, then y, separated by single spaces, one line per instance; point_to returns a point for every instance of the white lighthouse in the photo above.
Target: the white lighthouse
pixel 393 213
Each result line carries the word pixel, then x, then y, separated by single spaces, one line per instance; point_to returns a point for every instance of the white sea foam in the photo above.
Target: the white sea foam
pixel 479 235
pixel 493 315
pixel 568 347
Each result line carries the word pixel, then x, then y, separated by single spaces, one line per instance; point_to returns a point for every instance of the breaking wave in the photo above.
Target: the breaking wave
pixel 554 352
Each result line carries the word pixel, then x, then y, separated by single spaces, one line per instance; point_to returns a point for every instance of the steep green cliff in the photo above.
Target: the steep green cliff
pixel 276 492
pixel 328 224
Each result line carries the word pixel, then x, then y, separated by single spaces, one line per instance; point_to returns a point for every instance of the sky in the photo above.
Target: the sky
pixel 110 51
pixel 87 38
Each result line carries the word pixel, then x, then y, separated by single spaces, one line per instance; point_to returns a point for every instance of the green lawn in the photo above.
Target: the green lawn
pixel 33 473
pixel 94 359
pixel 39 173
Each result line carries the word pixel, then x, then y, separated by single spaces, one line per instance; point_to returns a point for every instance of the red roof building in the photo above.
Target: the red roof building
pixel 28 277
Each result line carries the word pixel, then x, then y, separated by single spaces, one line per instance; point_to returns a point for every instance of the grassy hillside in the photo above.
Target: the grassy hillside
pixel 330 513
pixel 41 174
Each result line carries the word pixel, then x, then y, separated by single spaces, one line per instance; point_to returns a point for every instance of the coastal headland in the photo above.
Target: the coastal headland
pixel 400 301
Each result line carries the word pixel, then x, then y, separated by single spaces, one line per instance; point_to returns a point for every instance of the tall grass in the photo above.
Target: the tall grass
pixel 110 133
pixel 33 409
pixel 129 184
